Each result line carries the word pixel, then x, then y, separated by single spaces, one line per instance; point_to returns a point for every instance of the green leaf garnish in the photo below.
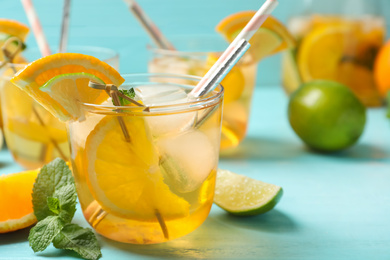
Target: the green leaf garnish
pixel 128 93
pixel 43 233
pixel 78 239
pixel 54 201
pixel 52 177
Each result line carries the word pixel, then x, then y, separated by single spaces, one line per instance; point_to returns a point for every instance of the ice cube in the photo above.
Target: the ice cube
pixel 169 123
pixel 187 160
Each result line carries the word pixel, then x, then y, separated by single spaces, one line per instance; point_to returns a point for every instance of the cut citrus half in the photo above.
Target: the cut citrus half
pixel 233 83
pixel 41 71
pixel 9 28
pixel 13 28
pixel 243 196
pixel 271 37
pixel 68 89
pixel 124 177
pixel 16 210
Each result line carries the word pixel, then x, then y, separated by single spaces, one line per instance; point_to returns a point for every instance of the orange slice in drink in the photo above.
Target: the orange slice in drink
pixel 270 38
pixel 328 52
pixel 124 177
pixel 65 75
pixel 16 209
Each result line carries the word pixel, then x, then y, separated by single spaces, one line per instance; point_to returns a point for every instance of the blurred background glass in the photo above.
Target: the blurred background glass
pixel 337 40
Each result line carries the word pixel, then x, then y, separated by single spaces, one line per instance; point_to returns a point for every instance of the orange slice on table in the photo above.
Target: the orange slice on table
pixel 16 209
pixel 328 52
pixel 125 177
pixel 271 37
pixel 59 81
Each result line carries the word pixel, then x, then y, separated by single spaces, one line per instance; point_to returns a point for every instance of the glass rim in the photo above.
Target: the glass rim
pixel 72 49
pixel 197 104
pixel 157 50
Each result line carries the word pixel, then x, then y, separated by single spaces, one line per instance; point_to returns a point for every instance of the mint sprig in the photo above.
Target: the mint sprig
pixel 54 202
pixel 128 93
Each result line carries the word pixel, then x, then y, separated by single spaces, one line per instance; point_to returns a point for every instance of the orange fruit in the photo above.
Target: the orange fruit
pixel 16 209
pixel 78 69
pixel 271 37
pixel 381 70
pixel 126 178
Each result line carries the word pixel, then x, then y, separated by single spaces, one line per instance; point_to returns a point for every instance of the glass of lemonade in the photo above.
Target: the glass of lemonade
pixel 157 184
pixel 33 135
pixel 195 57
pixel 337 40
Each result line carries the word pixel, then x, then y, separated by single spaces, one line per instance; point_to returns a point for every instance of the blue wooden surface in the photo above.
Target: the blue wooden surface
pixel 334 206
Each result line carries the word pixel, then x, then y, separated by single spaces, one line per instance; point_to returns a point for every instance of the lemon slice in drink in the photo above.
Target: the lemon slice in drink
pixel 45 70
pixel 243 196
pixel 9 28
pixel 125 177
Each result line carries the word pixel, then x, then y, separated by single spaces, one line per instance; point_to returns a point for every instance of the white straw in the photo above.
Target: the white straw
pixel 64 27
pixel 208 81
pixel 37 28
pixel 158 38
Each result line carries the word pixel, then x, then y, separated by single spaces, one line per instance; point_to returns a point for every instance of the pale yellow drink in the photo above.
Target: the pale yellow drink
pixel 33 135
pixel 158 184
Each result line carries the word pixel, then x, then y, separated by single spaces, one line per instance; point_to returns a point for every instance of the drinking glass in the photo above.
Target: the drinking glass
pixel 33 135
pixel 157 184
pixel 195 57
pixel 337 40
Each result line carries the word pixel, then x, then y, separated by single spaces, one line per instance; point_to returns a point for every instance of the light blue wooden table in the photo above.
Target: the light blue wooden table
pixel 334 207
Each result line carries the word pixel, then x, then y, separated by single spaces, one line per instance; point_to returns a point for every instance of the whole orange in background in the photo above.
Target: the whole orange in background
pixel 382 69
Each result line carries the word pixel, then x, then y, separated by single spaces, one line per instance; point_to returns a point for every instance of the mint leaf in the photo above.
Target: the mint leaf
pixel 66 196
pixel 44 232
pixel 81 240
pixel 52 177
pixel 128 93
pixel 54 205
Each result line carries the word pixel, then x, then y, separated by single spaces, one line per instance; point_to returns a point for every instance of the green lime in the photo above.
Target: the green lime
pixel 243 196
pixel 326 115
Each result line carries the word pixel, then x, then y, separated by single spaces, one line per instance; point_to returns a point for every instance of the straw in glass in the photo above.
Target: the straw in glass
pixel 234 52
pixel 36 27
pixel 64 27
pixel 158 38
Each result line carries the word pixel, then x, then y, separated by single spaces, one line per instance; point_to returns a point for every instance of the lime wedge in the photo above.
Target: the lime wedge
pixel 243 196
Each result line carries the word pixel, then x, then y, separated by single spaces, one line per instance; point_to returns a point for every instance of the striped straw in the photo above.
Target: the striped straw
pixel 158 38
pixel 236 49
pixel 36 27
pixel 64 27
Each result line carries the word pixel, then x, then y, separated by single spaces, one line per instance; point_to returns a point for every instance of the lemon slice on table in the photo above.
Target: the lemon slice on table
pixel 60 75
pixel 243 196
pixel 133 189
pixel 270 38
pixel 16 209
